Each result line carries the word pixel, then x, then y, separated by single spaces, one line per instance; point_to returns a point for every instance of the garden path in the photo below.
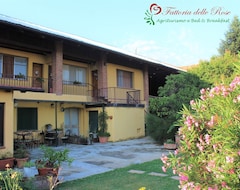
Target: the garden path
pixel 99 158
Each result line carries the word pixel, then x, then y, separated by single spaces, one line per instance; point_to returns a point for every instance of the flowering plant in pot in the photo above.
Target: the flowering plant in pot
pixel 52 160
pixel 103 134
pixel 209 155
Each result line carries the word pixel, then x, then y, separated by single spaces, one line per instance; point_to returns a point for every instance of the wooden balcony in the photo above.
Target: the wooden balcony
pixel 36 84
pixel 23 83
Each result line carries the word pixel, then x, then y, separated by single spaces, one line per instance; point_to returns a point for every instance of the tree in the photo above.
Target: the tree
pixel 220 69
pixel 179 89
pixel 232 38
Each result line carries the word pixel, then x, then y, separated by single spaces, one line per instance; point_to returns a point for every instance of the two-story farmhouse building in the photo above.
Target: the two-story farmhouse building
pixel 50 77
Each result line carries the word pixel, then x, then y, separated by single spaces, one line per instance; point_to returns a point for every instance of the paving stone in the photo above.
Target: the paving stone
pixel 158 174
pixel 175 177
pixel 136 171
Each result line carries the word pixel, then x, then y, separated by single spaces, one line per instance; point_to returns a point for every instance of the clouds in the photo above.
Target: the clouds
pixel 176 47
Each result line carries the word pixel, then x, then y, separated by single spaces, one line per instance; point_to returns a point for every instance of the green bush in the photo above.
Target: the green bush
pixel 157 128
pixel 178 91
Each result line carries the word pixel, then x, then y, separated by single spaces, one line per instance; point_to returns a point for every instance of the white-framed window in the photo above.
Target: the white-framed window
pixel 20 66
pixel 72 74
pixel 124 79
pixel 13 66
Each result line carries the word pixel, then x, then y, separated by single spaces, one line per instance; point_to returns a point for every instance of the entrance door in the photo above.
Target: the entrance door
pixel 95 83
pixel 93 121
pixel 71 120
pixel 27 118
pixel 37 75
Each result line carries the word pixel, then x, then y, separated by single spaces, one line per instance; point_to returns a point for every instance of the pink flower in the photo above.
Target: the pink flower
pixel 174 171
pixel 164 159
pixel 164 169
pixel 239 153
pixel 192 102
pixel 176 152
pixel 183 178
pixel 203 91
pixel 229 159
pixel 200 147
pixel 207 138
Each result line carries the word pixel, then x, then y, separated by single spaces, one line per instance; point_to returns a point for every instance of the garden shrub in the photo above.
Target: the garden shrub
pixel 209 152
pixel 178 90
pixel 157 128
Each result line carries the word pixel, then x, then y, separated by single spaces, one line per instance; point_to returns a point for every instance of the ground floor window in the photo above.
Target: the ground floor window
pixel 27 119
pixel 1 124
pixel 71 120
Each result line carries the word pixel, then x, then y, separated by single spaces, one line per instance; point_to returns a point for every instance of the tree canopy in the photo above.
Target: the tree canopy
pixel 179 89
pixel 220 69
pixel 232 38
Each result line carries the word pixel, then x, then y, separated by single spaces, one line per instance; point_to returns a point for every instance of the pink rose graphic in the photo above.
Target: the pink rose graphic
pixel 155 9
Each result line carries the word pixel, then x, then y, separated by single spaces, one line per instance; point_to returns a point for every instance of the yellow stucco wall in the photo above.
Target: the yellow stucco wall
pixel 32 58
pixel 6 98
pixel 126 123
pixel 138 83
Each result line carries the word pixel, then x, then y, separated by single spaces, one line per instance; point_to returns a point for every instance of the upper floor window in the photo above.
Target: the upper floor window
pixel 13 66
pixel 20 66
pixel 73 74
pixel 124 79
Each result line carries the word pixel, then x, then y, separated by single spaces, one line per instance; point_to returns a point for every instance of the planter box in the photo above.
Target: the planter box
pixel 170 146
pixel 47 171
pixel 4 162
pixel 21 162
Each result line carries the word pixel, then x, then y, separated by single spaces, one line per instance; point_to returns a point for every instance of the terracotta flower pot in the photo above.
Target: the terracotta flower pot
pixel 4 162
pixel 21 162
pixel 47 171
pixel 170 146
pixel 103 139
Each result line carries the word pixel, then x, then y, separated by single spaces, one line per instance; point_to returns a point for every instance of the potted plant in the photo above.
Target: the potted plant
pixel 20 76
pixel 76 82
pixel 102 124
pixel 29 169
pixel 40 79
pixel 170 144
pixel 52 160
pixel 21 155
pixel 6 160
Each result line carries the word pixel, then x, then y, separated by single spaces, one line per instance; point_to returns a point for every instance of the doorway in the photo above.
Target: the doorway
pixel 37 75
pixel 93 121
pixel 71 120
pixel 95 83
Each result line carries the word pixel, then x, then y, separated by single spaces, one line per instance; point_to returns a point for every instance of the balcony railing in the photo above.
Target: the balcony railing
pixel 119 95
pixel 76 88
pixel 24 83
pixel 36 84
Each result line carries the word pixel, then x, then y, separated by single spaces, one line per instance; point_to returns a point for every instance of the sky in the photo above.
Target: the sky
pixel 183 32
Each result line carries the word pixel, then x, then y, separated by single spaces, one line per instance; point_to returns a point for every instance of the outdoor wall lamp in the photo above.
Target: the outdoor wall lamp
pixel 52 105
pixel 62 109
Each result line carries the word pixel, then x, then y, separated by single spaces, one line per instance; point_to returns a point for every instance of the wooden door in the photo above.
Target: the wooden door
pixel 95 83
pixel 37 75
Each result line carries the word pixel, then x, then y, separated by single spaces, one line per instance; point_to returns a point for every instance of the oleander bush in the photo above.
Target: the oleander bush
pixel 209 152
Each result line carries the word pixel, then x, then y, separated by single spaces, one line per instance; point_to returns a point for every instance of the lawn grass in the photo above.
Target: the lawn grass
pixel 121 179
